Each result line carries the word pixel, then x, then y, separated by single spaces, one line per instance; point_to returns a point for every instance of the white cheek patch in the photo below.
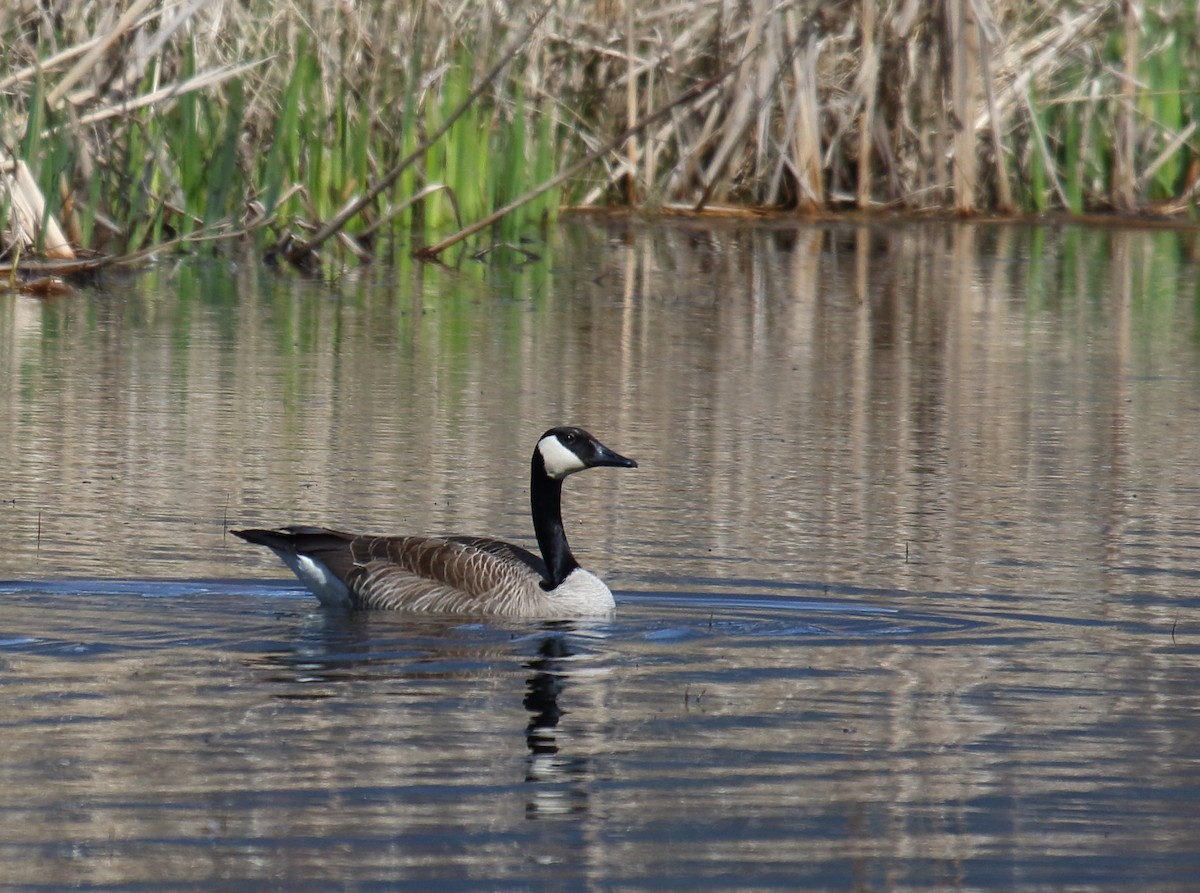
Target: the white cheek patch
pixel 559 460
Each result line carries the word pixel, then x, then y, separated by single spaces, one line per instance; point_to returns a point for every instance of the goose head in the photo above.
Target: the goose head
pixel 566 450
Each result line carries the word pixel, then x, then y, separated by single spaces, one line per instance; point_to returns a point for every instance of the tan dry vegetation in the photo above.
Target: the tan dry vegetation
pixel 388 123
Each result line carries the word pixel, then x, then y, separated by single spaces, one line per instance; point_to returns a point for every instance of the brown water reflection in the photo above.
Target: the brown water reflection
pixel 906 408
pixel 961 408
pixel 907 573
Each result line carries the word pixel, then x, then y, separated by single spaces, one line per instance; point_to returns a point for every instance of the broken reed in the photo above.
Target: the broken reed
pixel 225 114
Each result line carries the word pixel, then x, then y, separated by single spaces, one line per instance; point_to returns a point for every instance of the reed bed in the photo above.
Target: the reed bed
pixel 387 125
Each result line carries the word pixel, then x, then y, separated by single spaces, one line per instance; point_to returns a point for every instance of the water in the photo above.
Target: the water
pixel 906 576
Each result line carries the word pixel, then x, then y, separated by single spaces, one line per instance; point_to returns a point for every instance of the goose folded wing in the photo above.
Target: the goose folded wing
pixel 438 573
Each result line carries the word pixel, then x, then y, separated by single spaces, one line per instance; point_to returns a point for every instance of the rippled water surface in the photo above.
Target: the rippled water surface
pixel 906 579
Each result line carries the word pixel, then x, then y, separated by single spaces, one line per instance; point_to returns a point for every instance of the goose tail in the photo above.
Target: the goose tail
pixel 310 553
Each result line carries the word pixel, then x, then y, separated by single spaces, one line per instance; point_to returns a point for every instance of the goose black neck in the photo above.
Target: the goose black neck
pixel 545 499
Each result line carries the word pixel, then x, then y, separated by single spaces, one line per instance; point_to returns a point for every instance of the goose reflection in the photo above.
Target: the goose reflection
pixel 450 658
pixel 560 781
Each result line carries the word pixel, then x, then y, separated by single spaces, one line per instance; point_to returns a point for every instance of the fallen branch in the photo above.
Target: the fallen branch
pixel 217 232
pixel 201 81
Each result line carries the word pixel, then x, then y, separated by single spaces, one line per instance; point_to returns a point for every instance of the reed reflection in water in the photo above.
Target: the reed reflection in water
pixel 906 575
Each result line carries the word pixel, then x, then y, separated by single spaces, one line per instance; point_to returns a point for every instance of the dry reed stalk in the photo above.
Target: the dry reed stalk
pixel 1023 59
pixel 748 91
pixel 631 107
pixel 987 31
pixel 47 65
pixel 202 81
pixel 1177 144
pixel 652 150
pixel 866 86
pixel 88 63
pixel 1042 147
pixel 803 125
pixel 29 221
pixel 936 125
pixel 964 77
pixel 1124 174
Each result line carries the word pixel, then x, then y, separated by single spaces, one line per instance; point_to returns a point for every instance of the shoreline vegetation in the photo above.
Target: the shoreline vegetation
pixel 332 130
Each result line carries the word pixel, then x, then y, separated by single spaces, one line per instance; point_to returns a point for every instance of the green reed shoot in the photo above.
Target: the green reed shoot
pixel 282 165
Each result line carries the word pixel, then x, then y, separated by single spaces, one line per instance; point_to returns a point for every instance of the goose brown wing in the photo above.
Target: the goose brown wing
pixel 428 573
pixel 506 551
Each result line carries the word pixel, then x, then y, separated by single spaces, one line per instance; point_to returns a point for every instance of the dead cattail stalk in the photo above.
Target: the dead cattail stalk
pixel 631 108
pixel 931 128
pixel 29 218
pixel 1125 179
pixel 868 74
pixel 1041 146
pixel 746 100
pixel 1004 199
pixel 964 76
pixel 805 131
pixel 89 60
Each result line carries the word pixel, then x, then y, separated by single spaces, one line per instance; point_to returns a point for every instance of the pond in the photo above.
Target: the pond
pixel 907 576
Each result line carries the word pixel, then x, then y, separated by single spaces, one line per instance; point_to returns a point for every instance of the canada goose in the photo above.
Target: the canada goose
pixel 460 574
